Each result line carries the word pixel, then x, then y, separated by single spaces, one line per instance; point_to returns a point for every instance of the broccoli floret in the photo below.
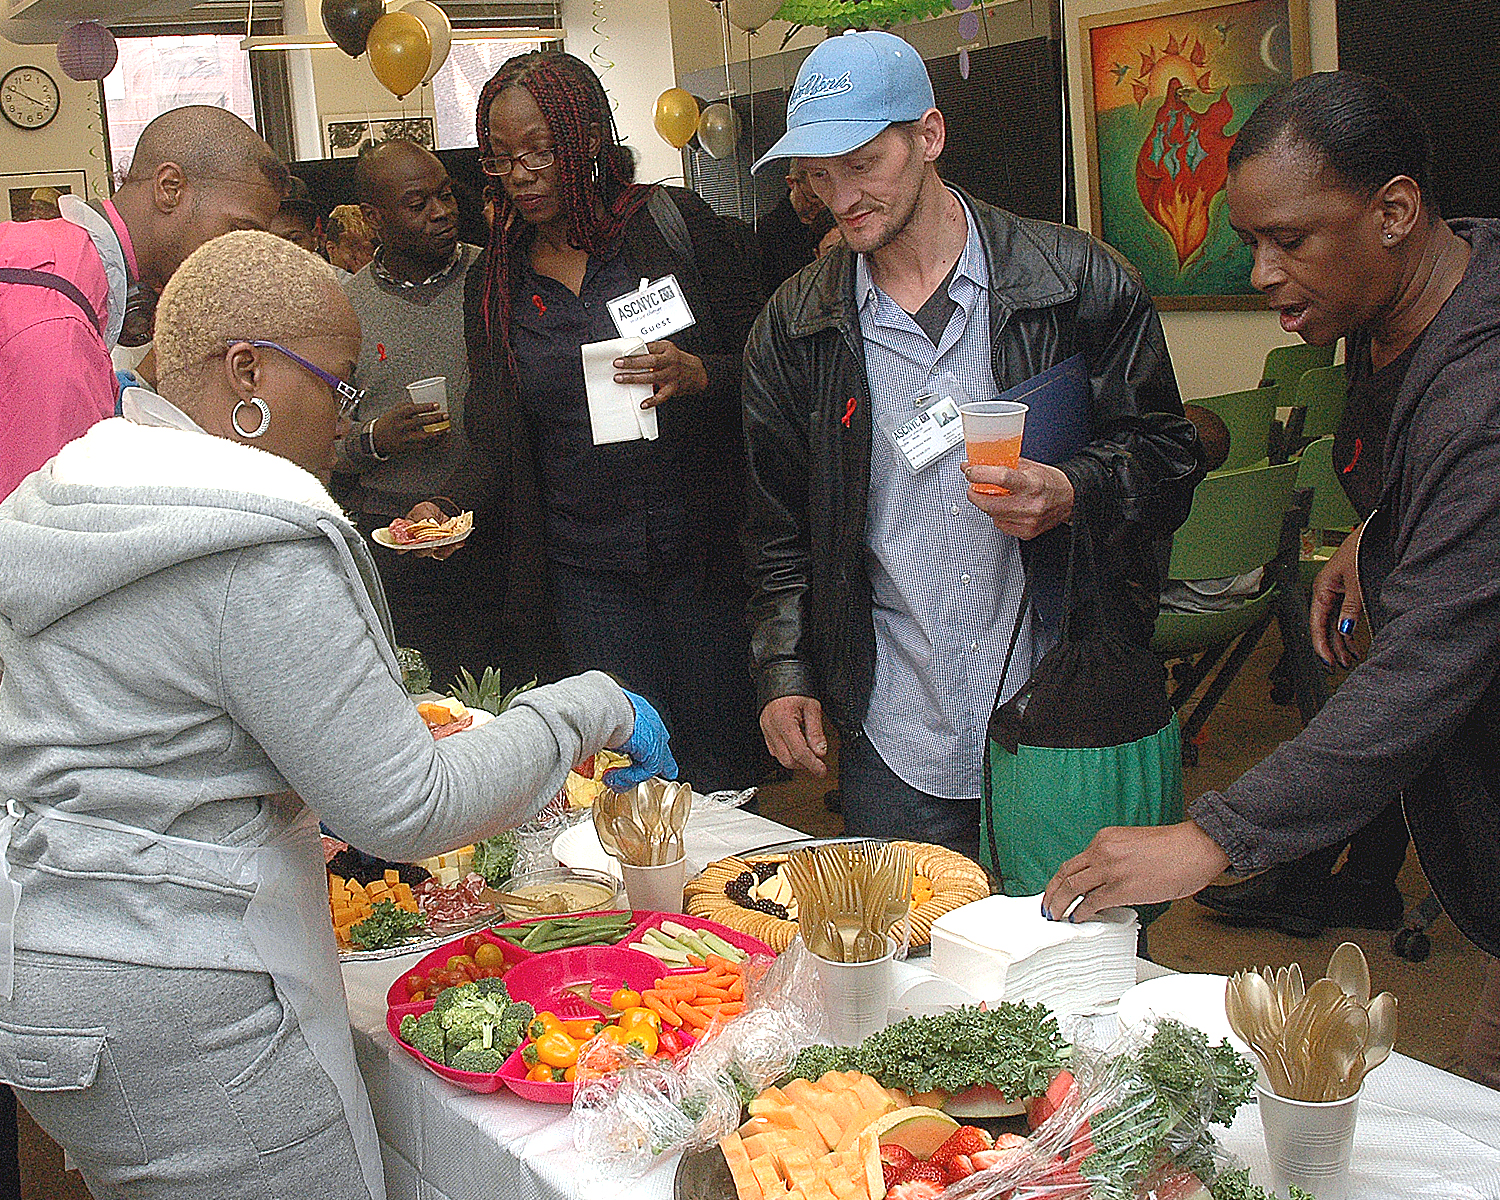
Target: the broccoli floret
pixel 424 1034
pixel 520 1011
pixel 492 987
pixel 474 1057
pixel 452 998
pixel 495 857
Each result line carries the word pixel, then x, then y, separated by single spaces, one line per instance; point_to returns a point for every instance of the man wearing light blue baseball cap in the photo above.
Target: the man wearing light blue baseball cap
pixel 886 588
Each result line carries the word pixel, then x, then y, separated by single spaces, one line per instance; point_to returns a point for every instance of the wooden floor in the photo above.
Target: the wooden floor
pixel 1436 996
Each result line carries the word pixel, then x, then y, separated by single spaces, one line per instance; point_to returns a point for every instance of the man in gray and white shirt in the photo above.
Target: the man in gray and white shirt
pixel 885 588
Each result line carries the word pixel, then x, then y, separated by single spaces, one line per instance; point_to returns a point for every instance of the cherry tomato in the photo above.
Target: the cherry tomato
pixel 489 955
pixel 669 1041
pixel 582 1031
pixel 416 982
pixel 557 1049
pixel 542 1024
pixel 632 1017
pixel 644 1037
pixel 473 942
pixel 541 1073
pixel 488 972
pixel 447 978
pixel 459 961
pixel 417 995
pixel 624 997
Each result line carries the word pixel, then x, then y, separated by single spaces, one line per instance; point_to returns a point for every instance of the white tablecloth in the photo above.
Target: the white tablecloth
pixel 1422 1134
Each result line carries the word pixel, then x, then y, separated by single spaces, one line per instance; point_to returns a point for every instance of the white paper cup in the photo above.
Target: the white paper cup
pixel 658 889
pixel 992 436
pixel 1309 1143
pixel 855 996
pixel 432 391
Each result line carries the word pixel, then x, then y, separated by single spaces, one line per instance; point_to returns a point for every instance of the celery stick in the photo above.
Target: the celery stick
pixel 723 948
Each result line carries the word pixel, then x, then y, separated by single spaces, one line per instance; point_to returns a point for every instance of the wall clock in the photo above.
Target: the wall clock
pixel 28 97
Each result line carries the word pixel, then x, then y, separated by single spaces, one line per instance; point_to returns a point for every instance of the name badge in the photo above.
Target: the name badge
pixel 653 311
pixel 924 438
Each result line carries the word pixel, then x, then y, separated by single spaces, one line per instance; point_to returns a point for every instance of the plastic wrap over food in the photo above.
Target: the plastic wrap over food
pixel 1128 1123
pixel 628 1110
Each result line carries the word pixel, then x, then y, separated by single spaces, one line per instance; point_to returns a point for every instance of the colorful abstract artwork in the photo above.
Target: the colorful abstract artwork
pixel 1166 88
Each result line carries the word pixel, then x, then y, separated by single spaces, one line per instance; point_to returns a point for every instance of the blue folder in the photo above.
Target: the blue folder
pixel 1060 404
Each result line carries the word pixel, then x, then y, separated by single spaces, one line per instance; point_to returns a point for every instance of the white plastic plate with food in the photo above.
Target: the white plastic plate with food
pixel 402 535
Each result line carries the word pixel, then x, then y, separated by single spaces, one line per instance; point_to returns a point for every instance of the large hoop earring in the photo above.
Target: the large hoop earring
pixel 265 418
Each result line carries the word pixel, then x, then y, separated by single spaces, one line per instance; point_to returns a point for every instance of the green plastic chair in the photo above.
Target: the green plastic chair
pixel 1331 511
pixel 1320 396
pixel 1286 364
pixel 1248 416
pixel 1238 522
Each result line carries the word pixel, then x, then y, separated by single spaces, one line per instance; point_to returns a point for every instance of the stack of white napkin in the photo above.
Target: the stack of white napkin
pixel 1002 948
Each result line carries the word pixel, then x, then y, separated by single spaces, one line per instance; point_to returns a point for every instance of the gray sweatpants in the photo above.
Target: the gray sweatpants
pixel 202 1085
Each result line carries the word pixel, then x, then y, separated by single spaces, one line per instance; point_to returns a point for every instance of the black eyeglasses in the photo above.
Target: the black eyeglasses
pixel 532 160
pixel 349 395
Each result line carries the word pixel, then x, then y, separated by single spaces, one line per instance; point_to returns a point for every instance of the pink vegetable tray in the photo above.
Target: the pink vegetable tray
pixel 540 980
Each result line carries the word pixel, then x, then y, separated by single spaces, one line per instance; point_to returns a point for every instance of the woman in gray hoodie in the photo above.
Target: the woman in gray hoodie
pixel 197 665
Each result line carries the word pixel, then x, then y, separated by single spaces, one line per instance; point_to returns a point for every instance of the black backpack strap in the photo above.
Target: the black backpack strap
pixel 57 283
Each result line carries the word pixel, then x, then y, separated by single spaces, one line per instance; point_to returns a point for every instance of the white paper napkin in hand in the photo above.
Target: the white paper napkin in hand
pixel 615 412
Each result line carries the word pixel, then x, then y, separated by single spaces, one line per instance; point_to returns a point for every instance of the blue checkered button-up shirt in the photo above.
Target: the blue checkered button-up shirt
pixel 947 584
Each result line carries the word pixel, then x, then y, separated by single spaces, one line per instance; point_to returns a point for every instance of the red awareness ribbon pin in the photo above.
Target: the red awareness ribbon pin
pixel 380 350
pixel 1359 445
pixel 541 308
pixel 849 412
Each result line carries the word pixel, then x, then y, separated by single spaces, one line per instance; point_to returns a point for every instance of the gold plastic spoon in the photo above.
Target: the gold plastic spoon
pixel 1351 972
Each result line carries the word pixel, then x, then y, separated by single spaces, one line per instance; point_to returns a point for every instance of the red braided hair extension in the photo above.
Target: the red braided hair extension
pixel 573 102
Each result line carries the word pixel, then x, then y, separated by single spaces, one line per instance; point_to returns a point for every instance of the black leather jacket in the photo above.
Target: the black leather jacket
pixel 1054 292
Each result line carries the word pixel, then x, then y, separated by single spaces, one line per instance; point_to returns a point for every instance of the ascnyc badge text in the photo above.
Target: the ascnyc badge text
pixel 645 301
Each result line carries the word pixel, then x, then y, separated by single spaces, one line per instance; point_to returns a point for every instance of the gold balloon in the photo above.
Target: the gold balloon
pixel 676 117
pixel 400 50
pixel 718 130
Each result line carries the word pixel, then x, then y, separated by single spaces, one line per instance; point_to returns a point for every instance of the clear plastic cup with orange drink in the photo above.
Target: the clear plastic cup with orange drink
pixel 992 436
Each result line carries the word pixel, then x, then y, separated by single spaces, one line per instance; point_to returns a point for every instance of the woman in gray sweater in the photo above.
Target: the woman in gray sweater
pixel 197 667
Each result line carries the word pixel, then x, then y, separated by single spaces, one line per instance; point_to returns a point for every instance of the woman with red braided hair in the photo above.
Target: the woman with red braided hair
pixel 631 547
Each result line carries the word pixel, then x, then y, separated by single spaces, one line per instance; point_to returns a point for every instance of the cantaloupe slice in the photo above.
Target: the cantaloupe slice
pixel 920 1130
pixel 764 1170
pixel 746 1186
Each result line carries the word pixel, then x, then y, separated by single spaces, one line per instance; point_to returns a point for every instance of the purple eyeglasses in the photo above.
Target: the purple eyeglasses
pixel 349 395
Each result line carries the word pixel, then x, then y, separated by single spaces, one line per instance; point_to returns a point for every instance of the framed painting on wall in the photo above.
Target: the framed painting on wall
pixel 19 189
pixel 1166 88
pixel 347 137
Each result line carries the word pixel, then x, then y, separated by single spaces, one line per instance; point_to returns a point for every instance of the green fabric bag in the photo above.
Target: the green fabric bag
pixel 1089 740
pixel 1043 804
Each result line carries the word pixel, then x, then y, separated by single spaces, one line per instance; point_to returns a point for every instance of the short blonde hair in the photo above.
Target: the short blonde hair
pixel 247 285
pixel 348 219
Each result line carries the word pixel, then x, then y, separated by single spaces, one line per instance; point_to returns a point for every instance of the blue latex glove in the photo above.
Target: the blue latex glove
pixel 647 747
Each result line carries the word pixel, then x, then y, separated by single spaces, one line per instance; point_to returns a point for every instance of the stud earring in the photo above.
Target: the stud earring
pixel 265 417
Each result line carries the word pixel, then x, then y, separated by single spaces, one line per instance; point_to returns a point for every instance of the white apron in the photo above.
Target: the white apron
pixel 287 923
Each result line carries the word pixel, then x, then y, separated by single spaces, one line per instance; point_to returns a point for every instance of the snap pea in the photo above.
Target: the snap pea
pixel 556 933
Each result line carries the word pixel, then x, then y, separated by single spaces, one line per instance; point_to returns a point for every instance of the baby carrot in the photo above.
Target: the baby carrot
pixel 662 1009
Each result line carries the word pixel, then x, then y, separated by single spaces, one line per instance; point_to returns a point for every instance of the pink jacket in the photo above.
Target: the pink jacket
pixel 56 378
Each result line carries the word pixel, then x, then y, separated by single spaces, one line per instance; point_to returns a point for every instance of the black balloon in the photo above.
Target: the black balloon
pixel 349 23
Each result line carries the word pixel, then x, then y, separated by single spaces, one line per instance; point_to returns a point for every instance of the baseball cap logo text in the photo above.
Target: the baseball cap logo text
pixel 817 87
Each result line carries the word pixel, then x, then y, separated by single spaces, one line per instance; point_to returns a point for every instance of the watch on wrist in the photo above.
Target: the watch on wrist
pixel 367 443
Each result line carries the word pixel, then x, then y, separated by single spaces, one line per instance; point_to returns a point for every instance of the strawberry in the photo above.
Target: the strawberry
pixel 928 1172
pixel 895 1162
pixel 966 1139
pixel 915 1189
pixel 960 1166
